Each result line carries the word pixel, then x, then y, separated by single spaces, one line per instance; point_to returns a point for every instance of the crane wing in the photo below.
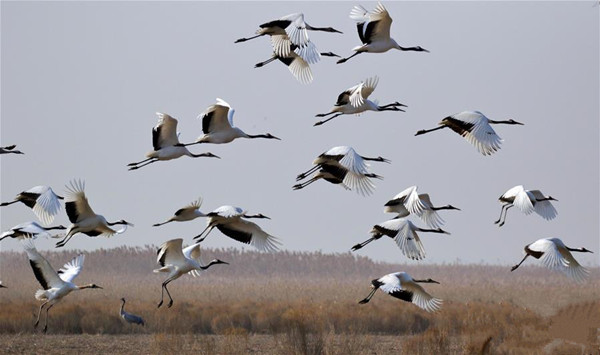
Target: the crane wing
pixel 573 269
pixel 70 270
pixel 164 134
pixel 227 212
pixel 369 86
pixel 428 215
pixel 359 182
pixel 308 52
pixel 372 26
pixel 47 204
pixel 421 298
pixel 281 45
pixel 43 271
pixel 350 160
pixel 193 252
pixel 410 198
pixel 544 208
pixel 407 239
pixel 481 135
pixel 170 252
pixel 76 203
pixel 296 30
pixel 298 67
pixel 30 229
pixel 249 233
pixel 523 201
pixel 217 117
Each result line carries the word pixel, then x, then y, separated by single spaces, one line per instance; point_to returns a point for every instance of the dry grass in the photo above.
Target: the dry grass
pixel 306 303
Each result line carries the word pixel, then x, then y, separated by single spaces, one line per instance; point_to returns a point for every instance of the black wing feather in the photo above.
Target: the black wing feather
pixel 71 209
pixel 37 271
pixel 240 236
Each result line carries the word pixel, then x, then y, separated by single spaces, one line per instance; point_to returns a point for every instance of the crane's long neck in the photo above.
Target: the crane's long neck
pixel 122 305
pixel 439 230
pixel 323 29
pixel 447 207
pixel 57 227
pixel 256 136
pixel 579 250
pixel 503 122
pixel 427 281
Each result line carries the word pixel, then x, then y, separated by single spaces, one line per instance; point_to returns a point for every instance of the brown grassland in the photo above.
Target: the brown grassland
pixel 299 303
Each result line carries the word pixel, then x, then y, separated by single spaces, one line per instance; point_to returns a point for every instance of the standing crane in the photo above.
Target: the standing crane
pixel 42 200
pixel 177 261
pixel 404 233
pixel 555 255
pixel 527 201
pixel 55 284
pixel 355 101
pixel 232 222
pixel 410 201
pixel 374 32
pixel 129 317
pixel 475 128
pixel 84 219
pixel 166 144
pixel 401 285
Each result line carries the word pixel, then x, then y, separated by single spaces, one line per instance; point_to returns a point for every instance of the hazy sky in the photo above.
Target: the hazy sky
pixel 81 82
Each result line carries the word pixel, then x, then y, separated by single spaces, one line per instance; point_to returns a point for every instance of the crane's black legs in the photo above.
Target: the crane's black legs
pixel 368 298
pixel 308 172
pixel 423 131
pixel 327 120
pixel 8 203
pixel 501 211
pixel 324 114
pixel 64 241
pixel 260 64
pixel 519 264
pixel 360 245
pixel 304 184
pixel 134 166
pixel 207 233
pixel 160 224
pixel 46 321
pixel 343 60
pixel 247 39
pixel 37 321
pixel 162 293
pixel 505 213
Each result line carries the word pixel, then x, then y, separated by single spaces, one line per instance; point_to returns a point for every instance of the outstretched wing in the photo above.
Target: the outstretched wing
pixel 76 203
pixel 164 134
pixel 193 252
pixel 544 208
pixel 43 271
pixel 170 252
pixel 250 233
pixel 47 204
pixel 421 298
pixel 70 270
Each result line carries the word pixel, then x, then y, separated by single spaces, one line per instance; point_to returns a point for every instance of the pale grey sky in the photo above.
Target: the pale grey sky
pixel 81 82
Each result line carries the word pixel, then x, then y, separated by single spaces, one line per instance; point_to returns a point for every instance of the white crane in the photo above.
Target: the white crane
pixel 475 128
pixel 166 144
pixel 10 149
pixel 230 221
pixel 555 255
pixel 218 128
pixel 55 284
pixel 527 201
pixel 404 233
pixel 355 101
pixel 409 201
pixel 297 59
pixel 29 230
pixel 42 200
pixel 129 317
pixel 177 261
pixel 401 285
pixel 343 166
pixel 187 213
pixel 83 218
pixel 374 32
pixel 289 30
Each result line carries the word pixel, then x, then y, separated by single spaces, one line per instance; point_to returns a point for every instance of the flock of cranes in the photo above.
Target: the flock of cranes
pixel 340 165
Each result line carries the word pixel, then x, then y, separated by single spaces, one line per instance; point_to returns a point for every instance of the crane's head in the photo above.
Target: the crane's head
pixel 584 250
pixel 121 222
pixel 511 121
pixel 218 261
pixel 550 198
pixel 90 286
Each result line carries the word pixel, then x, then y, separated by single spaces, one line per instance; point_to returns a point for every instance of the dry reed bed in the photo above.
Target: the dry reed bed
pixel 307 302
